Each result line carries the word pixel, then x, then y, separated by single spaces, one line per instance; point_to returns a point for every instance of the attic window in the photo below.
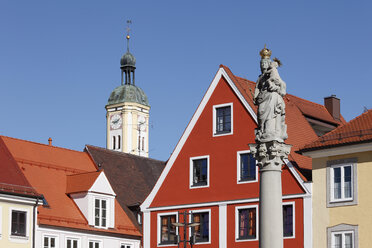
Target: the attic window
pixel 223 119
pixel 100 213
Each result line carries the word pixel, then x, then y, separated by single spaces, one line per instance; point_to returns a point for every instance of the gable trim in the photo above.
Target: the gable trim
pixel 220 73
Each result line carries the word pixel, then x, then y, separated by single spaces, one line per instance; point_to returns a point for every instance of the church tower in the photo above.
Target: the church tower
pixel 128 112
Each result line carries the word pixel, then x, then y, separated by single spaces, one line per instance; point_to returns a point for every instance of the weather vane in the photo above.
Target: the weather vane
pixel 128 30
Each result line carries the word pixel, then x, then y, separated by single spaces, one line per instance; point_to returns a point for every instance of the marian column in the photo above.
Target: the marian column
pixel 270 149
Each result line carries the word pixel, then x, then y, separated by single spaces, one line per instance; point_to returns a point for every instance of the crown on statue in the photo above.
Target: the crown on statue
pixel 265 53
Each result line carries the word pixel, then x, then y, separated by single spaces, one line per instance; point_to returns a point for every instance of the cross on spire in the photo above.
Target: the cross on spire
pixel 129 22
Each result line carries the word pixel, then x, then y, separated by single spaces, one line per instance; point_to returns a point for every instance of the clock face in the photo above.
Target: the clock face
pixel 115 121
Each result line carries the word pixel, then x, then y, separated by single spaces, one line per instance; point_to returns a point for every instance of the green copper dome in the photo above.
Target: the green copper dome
pixel 128 93
pixel 127 60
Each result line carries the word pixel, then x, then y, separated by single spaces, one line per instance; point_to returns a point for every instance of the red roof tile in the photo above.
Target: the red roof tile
pixel 47 169
pixel 299 130
pixel 81 182
pixel 11 177
pixel 358 130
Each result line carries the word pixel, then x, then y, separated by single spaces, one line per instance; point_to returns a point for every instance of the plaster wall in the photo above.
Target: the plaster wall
pixel 6 240
pixel 359 214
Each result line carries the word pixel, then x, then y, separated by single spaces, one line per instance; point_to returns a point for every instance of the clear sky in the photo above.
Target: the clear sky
pixel 59 60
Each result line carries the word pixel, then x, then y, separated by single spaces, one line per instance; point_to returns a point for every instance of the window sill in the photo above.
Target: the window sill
pixel 341 203
pixel 246 239
pixel 222 134
pixel 18 238
pixel 247 181
pixel 196 186
pixel 166 244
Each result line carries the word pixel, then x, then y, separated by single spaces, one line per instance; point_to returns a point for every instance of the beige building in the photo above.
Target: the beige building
pixel 342 202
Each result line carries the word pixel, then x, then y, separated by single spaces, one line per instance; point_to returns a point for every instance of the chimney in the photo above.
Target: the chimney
pixel 332 104
pixel 50 141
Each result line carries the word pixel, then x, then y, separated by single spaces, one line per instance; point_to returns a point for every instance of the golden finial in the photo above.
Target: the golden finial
pixel 265 53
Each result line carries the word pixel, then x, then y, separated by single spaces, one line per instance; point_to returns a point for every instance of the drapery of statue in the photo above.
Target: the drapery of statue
pixel 268 96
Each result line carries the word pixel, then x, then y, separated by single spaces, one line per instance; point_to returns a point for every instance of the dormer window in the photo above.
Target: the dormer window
pixel 100 213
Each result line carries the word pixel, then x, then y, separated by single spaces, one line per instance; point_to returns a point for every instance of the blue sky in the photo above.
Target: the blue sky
pixel 59 60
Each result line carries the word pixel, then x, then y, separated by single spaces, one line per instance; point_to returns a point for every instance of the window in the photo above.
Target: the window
pixel 119 141
pixel 71 243
pixel 94 244
pixel 342 240
pixel 113 142
pixel 199 171
pixel 247 223
pixel 341 182
pixel 18 223
pixel 100 213
pixel 201 232
pixel 222 119
pixel 125 246
pixel 288 220
pixel 168 233
pixel 342 236
pixel 247 169
pixel 143 143
pixel 49 242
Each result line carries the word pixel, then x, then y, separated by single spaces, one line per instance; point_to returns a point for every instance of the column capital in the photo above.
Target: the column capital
pixel 270 155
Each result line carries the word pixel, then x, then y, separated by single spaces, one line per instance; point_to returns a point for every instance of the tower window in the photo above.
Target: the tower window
pixel 143 143
pixel 119 142
pixel 113 142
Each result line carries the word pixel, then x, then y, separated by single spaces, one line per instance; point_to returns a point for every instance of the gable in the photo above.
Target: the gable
pixel 173 187
pixel 102 185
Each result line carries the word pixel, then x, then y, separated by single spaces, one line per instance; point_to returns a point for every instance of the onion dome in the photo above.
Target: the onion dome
pixel 128 93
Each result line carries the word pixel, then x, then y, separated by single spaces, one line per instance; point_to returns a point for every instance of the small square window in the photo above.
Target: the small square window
pixel 342 236
pixel 199 172
pixel 18 223
pixel 94 244
pixel 222 119
pixel 49 242
pixel 71 243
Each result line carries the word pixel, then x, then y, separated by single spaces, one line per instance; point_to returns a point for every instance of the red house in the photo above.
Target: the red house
pixel 212 176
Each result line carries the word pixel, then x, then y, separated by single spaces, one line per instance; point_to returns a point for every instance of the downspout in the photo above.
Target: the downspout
pixel 34 223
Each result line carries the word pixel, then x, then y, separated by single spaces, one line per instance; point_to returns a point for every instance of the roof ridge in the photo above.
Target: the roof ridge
pixel 122 153
pixel 37 143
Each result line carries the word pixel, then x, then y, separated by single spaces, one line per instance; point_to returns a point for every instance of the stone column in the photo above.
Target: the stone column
pixel 269 158
pixel 270 149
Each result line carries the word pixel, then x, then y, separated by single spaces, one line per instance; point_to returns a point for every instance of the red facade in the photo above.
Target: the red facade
pixel 224 199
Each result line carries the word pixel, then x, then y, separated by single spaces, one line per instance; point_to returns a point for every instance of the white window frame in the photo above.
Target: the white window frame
pixel 237 208
pixel 209 227
pixel 215 107
pixel 191 174
pixel 107 212
pixel 27 225
pixel 342 237
pixel 353 200
pixel 158 227
pixel 238 179
pixel 95 241
pixel 342 198
pixel 342 229
pixel 50 236
pixel 293 220
pixel 73 238
pixel 126 245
